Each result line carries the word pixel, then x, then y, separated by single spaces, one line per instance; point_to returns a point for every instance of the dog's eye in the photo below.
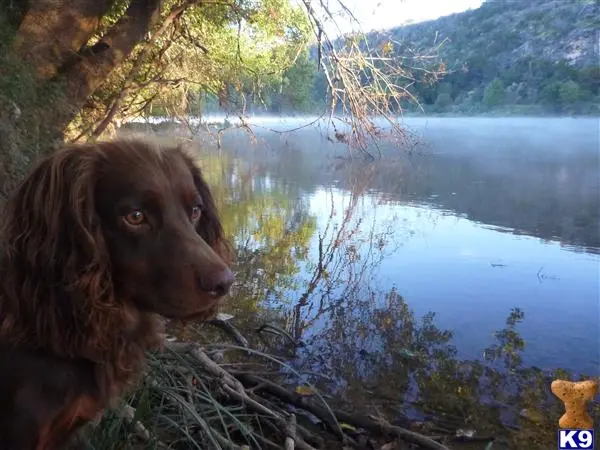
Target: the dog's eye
pixel 196 212
pixel 135 218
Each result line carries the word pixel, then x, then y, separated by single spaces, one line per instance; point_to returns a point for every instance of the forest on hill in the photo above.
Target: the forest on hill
pixel 518 57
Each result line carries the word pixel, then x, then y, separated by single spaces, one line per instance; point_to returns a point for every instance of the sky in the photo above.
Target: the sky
pixel 383 14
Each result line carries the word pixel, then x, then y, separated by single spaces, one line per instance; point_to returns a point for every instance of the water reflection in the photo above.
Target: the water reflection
pixel 350 259
pixel 387 361
pixel 532 177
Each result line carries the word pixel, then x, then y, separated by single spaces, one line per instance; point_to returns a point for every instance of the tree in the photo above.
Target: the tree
pixel 589 79
pixel 443 101
pixel 494 93
pixel 549 93
pixel 569 92
pixel 69 69
pixel 298 83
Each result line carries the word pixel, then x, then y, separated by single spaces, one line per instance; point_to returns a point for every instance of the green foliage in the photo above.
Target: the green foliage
pixel 443 101
pixel 25 133
pixel 538 54
pixel 235 53
pixel 10 14
pixel 494 93
pixel 549 93
pixel 297 85
pixel 569 92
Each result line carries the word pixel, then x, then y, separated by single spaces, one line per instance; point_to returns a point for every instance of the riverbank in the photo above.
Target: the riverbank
pixel 230 396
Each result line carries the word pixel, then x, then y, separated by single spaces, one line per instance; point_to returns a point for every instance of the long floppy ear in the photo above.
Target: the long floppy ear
pixel 209 225
pixel 57 282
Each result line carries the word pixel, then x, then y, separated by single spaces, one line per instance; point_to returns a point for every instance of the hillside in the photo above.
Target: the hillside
pixel 517 53
pixel 552 30
pixel 508 57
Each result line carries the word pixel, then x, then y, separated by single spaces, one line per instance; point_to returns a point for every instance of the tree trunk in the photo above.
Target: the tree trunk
pixel 54 30
pixel 50 72
pixel 85 74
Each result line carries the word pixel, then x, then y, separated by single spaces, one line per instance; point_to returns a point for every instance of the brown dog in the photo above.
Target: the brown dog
pixel 96 243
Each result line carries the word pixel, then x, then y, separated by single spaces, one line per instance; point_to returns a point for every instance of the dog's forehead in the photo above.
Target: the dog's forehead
pixel 150 169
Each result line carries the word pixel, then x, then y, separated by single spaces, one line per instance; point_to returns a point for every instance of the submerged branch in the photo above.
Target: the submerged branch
pixel 371 424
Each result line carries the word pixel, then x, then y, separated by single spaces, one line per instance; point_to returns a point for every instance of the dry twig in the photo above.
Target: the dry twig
pixel 249 390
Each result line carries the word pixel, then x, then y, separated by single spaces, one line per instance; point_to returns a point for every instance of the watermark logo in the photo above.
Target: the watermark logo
pixel 576 439
pixel 576 426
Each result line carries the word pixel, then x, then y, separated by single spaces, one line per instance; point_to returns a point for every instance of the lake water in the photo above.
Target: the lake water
pixel 480 216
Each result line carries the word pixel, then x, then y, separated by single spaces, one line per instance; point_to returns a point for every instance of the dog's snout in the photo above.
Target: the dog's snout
pixel 218 283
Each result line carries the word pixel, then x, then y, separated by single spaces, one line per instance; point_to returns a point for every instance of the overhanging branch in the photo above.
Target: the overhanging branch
pixel 84 76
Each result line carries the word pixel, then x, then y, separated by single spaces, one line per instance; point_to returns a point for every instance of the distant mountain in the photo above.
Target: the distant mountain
pixel 529 56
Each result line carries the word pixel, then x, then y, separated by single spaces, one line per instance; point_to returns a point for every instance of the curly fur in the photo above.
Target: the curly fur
pixel 73 327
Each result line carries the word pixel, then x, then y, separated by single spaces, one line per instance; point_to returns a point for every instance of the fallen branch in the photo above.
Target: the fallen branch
pixel 368 423
pixel 291 433
pixel 232 387
pixel 268 328
pixel 231 330
pixel 217 405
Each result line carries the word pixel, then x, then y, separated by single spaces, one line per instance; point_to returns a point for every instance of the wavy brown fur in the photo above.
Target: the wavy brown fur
pixel 81 289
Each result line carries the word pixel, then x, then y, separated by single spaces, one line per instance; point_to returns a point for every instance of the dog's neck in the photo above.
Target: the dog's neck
pixel 144 332
pixel 115 363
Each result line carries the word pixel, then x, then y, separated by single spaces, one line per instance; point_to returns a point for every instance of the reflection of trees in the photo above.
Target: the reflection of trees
pixel 270 225
pixel 386 360
pixel 348 249
pixel 273 232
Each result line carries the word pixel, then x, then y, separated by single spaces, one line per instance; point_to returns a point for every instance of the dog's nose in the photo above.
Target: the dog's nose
pixel 218 284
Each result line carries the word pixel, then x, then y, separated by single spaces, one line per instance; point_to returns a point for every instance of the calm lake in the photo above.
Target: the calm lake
pixel 481 216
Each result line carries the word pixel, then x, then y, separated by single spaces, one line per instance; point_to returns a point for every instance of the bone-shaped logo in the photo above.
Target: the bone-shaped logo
pixel 575 395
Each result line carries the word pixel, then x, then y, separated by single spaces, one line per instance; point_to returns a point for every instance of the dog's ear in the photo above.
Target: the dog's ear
pixel 58 282
pixel 51 221
pixel 209 226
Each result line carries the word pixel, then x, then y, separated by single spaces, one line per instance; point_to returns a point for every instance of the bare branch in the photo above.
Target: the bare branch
pixel 365 84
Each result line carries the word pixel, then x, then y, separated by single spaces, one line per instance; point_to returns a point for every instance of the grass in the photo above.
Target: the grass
pixel 180 403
